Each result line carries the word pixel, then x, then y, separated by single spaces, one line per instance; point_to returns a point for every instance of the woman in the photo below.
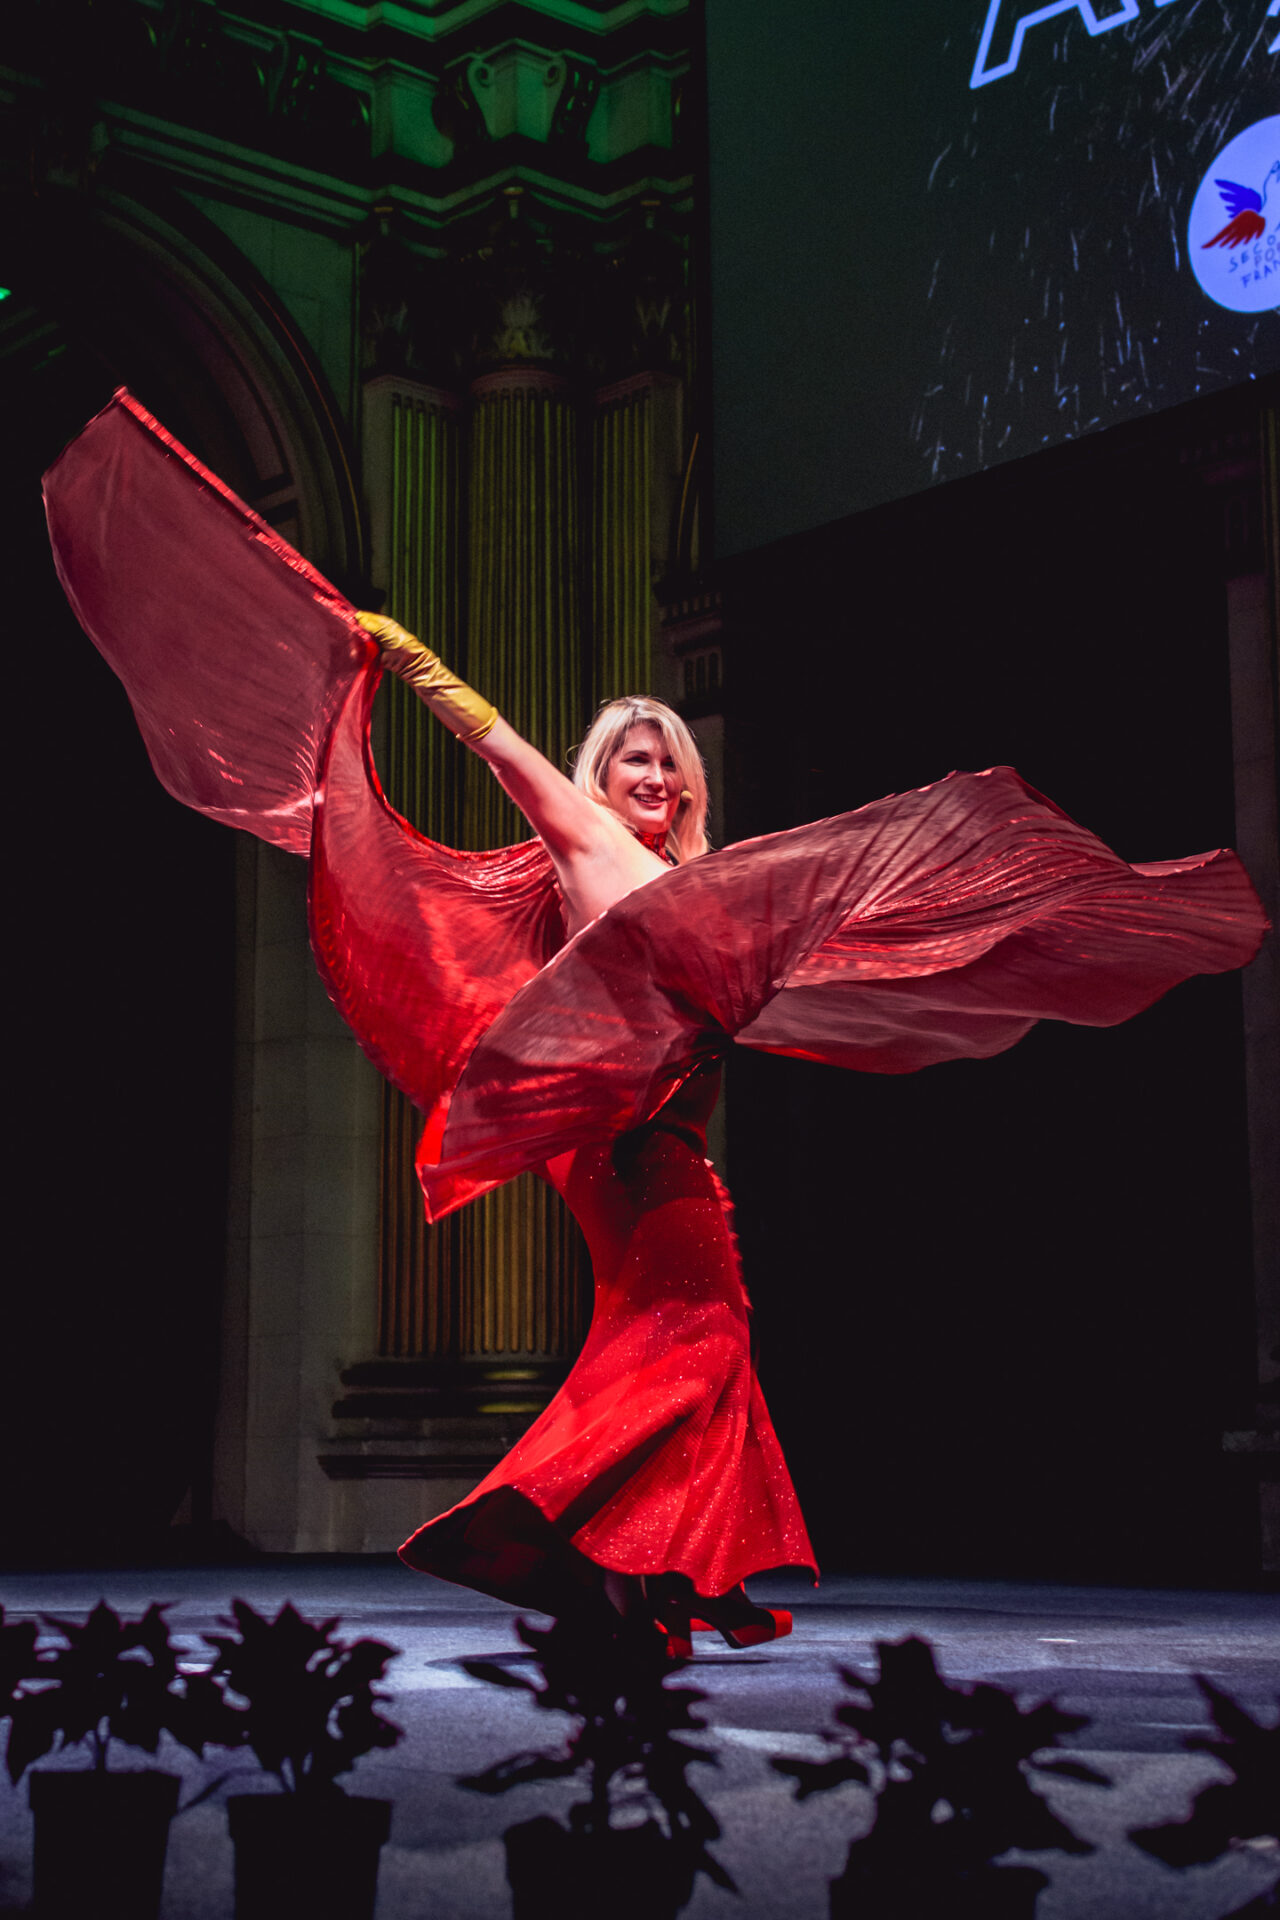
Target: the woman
pixel 563 1005
pixel 655 1468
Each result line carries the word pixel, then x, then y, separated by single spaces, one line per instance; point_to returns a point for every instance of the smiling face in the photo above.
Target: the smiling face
pixel 642 785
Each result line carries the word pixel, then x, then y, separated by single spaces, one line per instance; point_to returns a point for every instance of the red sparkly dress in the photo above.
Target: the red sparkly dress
pixel 929 926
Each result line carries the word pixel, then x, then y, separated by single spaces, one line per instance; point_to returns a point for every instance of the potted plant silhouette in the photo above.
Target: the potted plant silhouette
pixel 111 1679
pixel 948 1769
pixel 306 1704
pixel 635 1846
pixel 1243 1811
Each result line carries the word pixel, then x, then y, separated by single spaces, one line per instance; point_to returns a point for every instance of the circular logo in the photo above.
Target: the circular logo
pixel 1233 235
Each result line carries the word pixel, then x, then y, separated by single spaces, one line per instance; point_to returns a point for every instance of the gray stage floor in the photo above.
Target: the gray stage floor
pixel 1124 1657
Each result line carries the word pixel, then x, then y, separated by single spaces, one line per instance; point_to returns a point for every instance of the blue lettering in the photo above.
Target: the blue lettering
pixel 996 58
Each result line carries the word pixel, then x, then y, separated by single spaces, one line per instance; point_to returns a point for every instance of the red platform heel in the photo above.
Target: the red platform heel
pixel 736 1618
pixel 775 1624
pixel 739 1622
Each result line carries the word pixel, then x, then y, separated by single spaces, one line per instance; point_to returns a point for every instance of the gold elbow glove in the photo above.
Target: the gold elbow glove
pixel 463 710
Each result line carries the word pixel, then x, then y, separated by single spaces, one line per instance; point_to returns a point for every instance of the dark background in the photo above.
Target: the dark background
pixel 120 1058
pixel 1004 1308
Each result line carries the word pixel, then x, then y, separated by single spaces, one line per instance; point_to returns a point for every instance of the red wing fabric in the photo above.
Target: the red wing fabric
pixel 930 926
pixel 252 682
pixel 234 652
pixel 934 925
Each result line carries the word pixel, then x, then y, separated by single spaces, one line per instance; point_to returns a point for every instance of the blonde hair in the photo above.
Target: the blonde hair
pixel 687 837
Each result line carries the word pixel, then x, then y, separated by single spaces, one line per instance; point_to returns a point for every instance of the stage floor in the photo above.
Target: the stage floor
pixel 1122 1656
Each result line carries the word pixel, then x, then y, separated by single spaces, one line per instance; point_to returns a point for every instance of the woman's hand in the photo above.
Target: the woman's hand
pixel 400 650
pixel 463 710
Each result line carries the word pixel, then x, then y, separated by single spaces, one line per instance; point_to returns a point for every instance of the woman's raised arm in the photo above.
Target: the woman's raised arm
pixel 563 817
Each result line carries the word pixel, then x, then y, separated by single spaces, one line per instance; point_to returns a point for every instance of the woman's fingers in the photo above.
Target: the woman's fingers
pixel 390 635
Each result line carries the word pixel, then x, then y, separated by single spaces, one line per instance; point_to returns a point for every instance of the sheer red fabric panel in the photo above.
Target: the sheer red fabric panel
pixel 929 926
pixel 419 946
pixel 235 653
pixel 252 683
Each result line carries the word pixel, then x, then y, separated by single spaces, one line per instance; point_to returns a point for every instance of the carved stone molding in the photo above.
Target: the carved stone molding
pixel 523 284
pixel 291 82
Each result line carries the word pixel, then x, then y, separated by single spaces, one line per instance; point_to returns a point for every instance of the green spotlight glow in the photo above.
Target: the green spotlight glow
pixel 5 292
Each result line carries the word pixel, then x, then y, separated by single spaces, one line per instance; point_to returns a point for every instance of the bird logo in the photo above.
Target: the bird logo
pixel 1245 205
pixel 1233 233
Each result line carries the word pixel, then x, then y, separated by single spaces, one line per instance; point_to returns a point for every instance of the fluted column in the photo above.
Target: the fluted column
pixel 524 616
pixel 635 461
pixel 413 445
pixel 520 1253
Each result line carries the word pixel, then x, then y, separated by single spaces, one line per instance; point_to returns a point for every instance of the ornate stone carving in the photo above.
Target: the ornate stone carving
pixel 185 61
pixel 644 324
pixel 410 309
pixel 522 276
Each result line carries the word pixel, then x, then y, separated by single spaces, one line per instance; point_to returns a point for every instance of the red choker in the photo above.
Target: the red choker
pixel 656 843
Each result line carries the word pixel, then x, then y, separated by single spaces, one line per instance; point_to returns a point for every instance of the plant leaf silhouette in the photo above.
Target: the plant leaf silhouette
pixel 17 1658
pixel 949 1767
pixel 310 1705
pixel 609 1676
pixel 819 1776
pixel 1247 1807
pixel 113 1679
pixel 18 1663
